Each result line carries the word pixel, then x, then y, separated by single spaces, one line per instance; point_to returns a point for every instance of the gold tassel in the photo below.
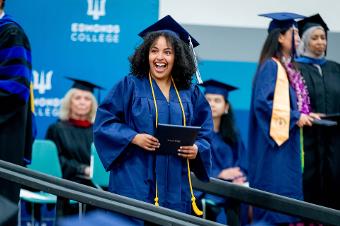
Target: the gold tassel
pixel 156 201
pixel 197 211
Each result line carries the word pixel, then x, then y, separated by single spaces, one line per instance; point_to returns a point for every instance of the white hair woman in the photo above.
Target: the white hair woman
pixel 321 144
pixel 73 136
pixel 67 109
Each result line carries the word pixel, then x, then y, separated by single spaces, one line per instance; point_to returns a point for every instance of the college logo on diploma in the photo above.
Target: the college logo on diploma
pixel 96 8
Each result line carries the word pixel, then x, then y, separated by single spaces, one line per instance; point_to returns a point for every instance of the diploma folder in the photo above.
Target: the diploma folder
pixel 333 117
pixel 324 122
pixel 171 137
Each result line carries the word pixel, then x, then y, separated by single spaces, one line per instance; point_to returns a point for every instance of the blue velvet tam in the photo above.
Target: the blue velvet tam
pixel 168 24
pixel 282 20
pixel 215 87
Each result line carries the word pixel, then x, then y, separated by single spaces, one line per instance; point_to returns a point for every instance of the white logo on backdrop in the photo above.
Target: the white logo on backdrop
pixel 42 81
pixel 45 106
pixel 95 32
pixel 96 8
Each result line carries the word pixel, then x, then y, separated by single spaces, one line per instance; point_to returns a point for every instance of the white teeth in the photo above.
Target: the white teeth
pixel 160 65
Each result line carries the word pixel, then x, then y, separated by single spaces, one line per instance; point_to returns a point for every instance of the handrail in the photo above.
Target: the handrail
pixel 269 201
pixel 96 197
pixel 164 216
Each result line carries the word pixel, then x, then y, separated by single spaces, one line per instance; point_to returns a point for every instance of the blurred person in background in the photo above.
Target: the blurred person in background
pixel 321 144
pixel 229 157
pixel 17 127
pixel 279 108
pixel 73 136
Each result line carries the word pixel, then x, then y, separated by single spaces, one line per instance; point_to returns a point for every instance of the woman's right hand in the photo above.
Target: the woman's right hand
pixel 305 120
pixel 146 141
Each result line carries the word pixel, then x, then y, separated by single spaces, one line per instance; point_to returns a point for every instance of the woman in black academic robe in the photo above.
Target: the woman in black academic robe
pixel 321 144
pixel 73 137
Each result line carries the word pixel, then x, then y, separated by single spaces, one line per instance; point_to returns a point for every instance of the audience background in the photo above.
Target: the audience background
pixel 231 37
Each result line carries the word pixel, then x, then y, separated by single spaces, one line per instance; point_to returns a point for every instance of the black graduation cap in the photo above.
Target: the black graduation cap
pixel 84 85
pixel 167 23
pixel 282 20
pixel 215 87
pixel 312 21
pixel 7 210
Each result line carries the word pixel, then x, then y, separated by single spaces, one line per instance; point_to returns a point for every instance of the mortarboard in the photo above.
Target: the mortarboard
pixel 282 20
pixel 308 22
pixel 168 24
pixel 7 210
pixel 216 87
pixel 84 85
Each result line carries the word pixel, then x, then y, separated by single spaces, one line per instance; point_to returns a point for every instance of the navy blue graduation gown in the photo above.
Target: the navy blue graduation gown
pixel 223 156
pixel 272 168
pixel 129 110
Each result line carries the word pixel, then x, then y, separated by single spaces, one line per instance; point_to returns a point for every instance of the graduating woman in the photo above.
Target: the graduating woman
pixel 321 144
pixel 158 90
pixel 229 158
pixel 279 106
pixel 73 136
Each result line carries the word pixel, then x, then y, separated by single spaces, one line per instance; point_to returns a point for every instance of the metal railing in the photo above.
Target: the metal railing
pixel 270 201
pixel 164 216
pixel 96 197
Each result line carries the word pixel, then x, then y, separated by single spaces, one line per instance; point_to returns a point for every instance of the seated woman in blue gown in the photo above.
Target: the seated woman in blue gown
pixel 227 149
pixel 279 106
pixel 157 90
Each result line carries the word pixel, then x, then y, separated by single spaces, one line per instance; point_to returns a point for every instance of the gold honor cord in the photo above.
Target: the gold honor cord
pixel 193 199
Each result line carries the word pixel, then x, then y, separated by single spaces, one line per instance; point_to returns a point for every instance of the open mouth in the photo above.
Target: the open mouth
pixel 160 67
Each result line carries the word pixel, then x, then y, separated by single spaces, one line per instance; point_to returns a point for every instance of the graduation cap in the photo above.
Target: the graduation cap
pixel 312 21
pixel 85 85
pixel 216 87
pixel 7 209
pixel 172 27
pixel 282 20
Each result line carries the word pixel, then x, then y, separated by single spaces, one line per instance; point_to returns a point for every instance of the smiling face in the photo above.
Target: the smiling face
pixel 317 42
pixel 161 59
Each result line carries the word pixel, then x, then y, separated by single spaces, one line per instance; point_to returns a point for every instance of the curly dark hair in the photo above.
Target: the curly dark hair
pixel 184 64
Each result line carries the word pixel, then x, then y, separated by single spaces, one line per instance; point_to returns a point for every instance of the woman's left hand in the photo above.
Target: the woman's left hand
pixel 188 152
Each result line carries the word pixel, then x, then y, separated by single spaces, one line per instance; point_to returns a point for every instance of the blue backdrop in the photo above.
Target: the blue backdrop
pixel 92 40
pixel 88 39
pixel 239 74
